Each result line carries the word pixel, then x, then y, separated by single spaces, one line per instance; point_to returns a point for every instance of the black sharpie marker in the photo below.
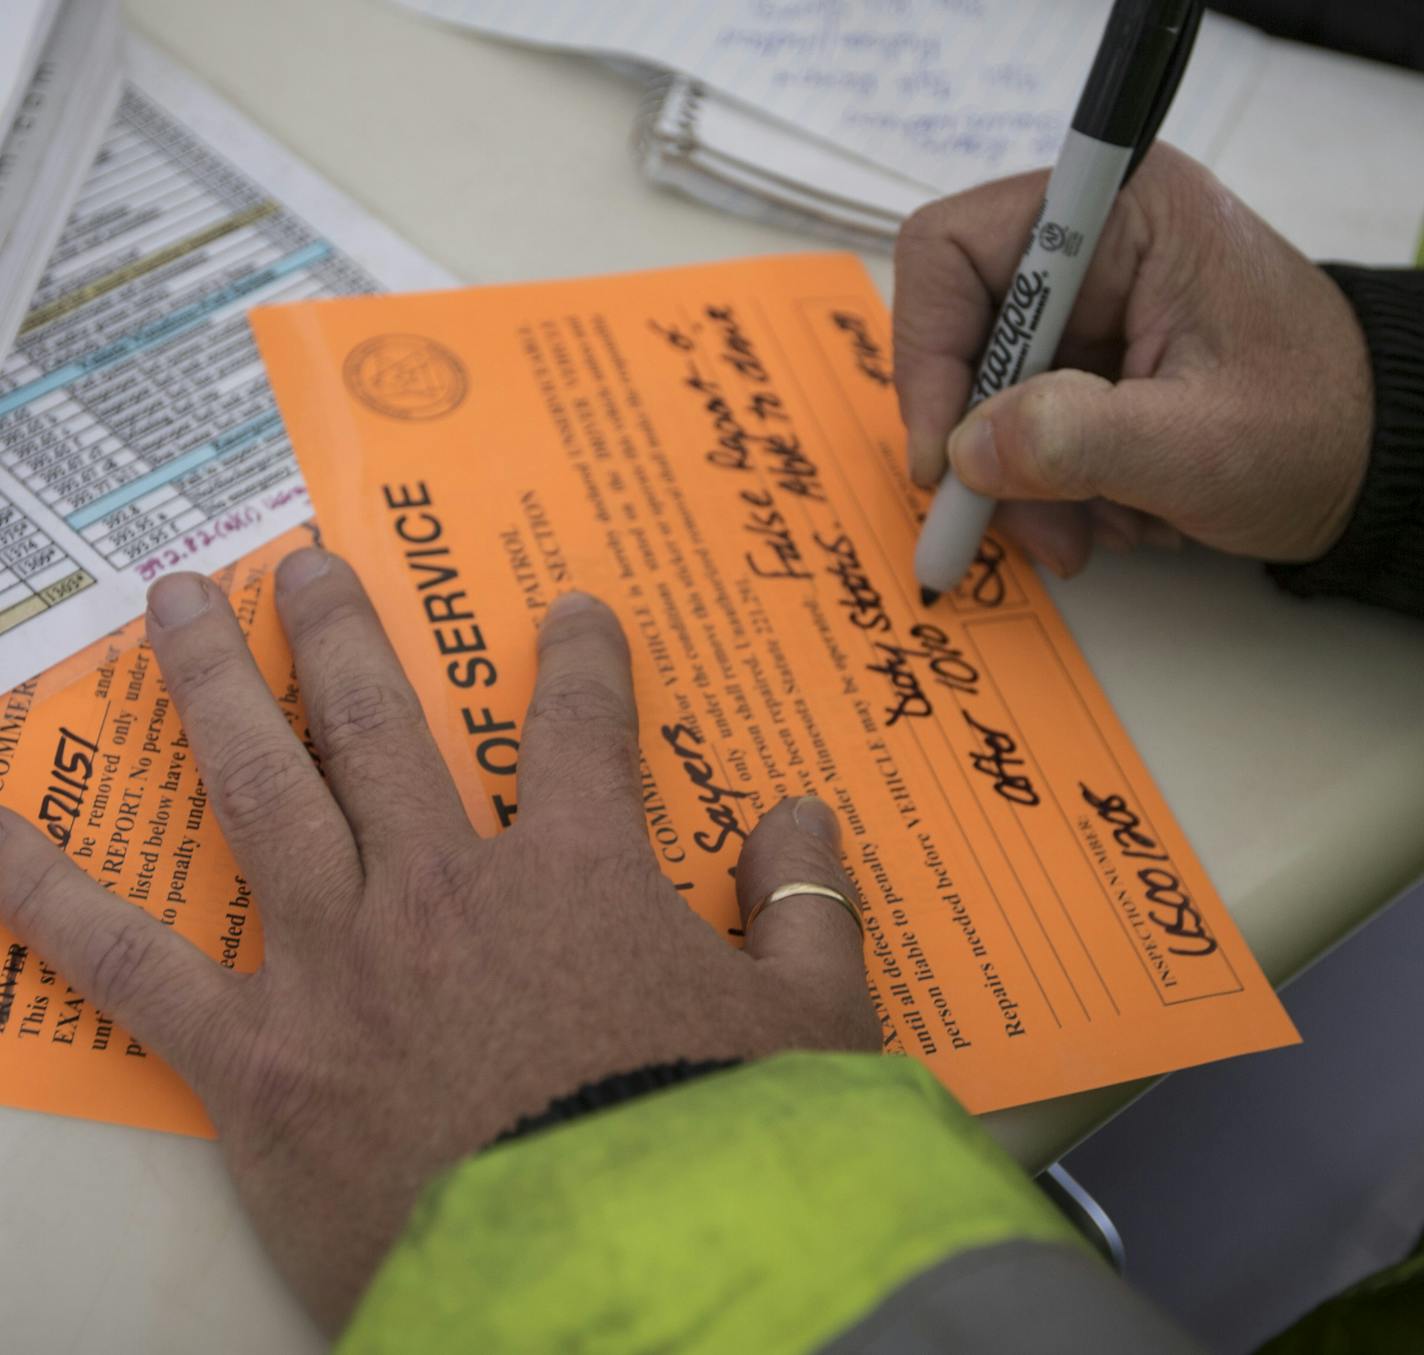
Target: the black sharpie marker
pixel 1134 76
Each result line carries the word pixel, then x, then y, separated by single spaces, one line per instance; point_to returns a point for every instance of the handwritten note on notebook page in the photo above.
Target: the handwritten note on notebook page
pixel 946 92
pixel 716 451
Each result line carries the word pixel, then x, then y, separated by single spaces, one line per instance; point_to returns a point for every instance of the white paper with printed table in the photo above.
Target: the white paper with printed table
pixel 137 430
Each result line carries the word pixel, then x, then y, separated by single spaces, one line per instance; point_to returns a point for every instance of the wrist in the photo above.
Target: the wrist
pixel 613 1090
pixel 1352 395
pixel 1377 552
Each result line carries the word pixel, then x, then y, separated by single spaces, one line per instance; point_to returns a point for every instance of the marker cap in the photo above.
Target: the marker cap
pixel 1137 70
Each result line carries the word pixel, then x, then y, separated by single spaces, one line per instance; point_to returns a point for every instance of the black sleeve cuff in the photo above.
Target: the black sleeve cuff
pixel 1380 557
pixel 612 1091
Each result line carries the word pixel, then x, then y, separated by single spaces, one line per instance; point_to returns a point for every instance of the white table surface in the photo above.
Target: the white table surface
pixel 1289 738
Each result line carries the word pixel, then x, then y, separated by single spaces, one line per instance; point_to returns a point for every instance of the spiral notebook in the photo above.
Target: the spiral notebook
pixel 838 119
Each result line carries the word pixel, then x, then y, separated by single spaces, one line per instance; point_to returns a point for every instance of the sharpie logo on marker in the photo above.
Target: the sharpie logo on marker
pixel 1009 344
pixel 1052 237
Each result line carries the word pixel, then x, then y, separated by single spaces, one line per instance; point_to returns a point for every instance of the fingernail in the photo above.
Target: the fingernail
pixel 926 456
pixel 566 604
pixel 301 567
pixel 178 599
pixel 974 456
pixel 813 815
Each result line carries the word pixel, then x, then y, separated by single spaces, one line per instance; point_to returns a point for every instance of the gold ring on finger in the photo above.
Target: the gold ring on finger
pixel 803 887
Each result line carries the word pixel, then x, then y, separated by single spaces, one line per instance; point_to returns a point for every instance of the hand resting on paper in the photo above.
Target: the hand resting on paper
pixel 422 989
pixel 1213 383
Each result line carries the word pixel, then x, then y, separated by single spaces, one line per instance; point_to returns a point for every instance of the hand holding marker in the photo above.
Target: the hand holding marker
pixel 1134 76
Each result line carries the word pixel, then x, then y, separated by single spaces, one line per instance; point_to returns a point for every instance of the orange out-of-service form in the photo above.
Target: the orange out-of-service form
pixel 716 452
